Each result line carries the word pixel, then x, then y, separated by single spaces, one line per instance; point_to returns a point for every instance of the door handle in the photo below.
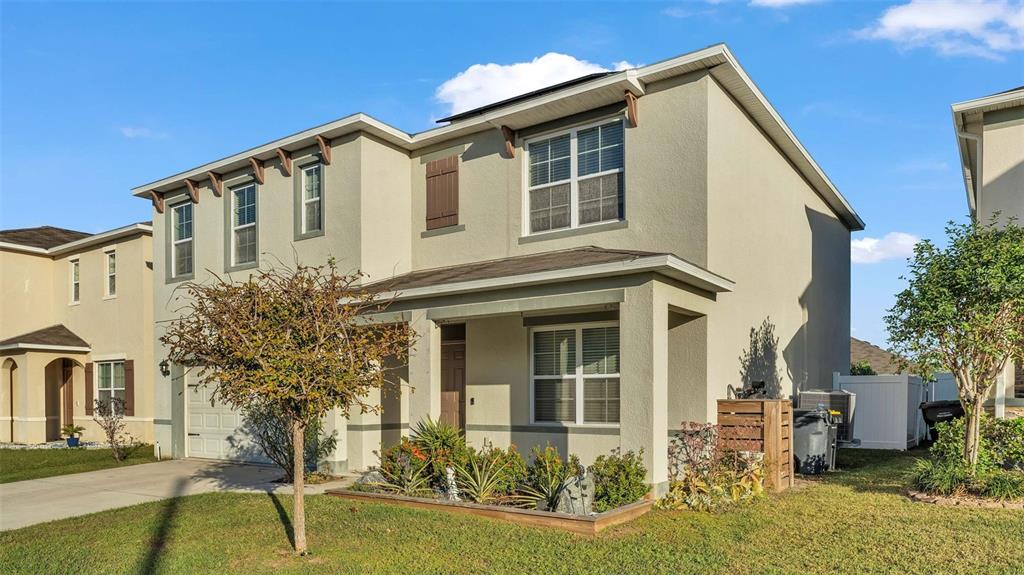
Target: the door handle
pixel 193 435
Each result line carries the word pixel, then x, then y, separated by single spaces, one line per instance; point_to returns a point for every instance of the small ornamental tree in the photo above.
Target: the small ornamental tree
pixel 963 310
pixel 295 339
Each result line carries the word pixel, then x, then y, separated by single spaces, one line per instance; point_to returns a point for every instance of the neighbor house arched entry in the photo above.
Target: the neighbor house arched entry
pixel 8 373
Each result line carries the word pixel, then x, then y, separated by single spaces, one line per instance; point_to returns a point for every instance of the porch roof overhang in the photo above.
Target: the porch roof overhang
pixel 544 268
pixel 52 338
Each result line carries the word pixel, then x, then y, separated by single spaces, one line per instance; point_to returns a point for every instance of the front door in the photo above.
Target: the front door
pixel 453 384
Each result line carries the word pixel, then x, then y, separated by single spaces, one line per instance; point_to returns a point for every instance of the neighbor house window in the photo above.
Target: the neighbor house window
pixel 575 374
pixel 75 283
pixel 576 178
pixel 181 240
pixel 110 383
pixel 111 275
pixel 312 198
pixel 243 224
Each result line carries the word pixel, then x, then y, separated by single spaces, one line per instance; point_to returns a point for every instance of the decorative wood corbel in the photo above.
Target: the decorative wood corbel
pixel 257 169
pixel 217 183
pixel 158 200
pixel 286 160
pixel 634 120
pixel 193 193
pixel 325 148
pixel 510 141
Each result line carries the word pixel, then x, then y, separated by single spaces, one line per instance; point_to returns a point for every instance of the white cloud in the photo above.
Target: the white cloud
pixel 984 28
pixel 781 3
pixel 138 132
pixel 482 84
pixel 894 245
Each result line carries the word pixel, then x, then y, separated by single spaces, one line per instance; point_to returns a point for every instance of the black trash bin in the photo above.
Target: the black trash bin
pixel 814 441
pixel 936 411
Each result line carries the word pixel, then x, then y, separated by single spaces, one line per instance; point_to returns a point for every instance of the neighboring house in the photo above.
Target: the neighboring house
pixel 990 137
pixel 584 265
pixel 76 324
pixel 881 361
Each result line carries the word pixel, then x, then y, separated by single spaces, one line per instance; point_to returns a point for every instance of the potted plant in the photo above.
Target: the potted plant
pixel 72 431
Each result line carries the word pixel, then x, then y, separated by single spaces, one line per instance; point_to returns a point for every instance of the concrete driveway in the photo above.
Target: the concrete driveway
pixel 24 503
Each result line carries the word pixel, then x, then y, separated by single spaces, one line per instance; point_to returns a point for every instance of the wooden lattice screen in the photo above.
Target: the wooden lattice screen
pixel 764 425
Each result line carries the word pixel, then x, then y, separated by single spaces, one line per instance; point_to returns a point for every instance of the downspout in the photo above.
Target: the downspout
pixel 976 180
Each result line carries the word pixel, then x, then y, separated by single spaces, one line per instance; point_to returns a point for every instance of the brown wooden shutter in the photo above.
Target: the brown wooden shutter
pixel 129 387
pixel 88 388
pixel 443 193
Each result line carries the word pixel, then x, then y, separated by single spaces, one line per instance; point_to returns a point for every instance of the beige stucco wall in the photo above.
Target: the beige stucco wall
pixel 787 252
pixel 1003 166
pixel 117 327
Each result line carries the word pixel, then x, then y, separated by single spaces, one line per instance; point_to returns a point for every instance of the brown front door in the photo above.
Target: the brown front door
pixel 453 384
pixel 67 383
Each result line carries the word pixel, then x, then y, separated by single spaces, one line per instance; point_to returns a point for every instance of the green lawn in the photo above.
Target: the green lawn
pixel 21 464
pixel 855 521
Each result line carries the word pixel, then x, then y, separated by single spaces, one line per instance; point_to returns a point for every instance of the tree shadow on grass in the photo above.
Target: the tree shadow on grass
pixel 874 470
pixel 282 515
pixel 161 533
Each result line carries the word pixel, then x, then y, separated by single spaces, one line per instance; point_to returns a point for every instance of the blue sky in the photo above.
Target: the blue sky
pixel 98 98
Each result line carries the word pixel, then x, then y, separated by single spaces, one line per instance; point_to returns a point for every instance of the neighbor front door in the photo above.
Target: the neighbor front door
pixel 453 384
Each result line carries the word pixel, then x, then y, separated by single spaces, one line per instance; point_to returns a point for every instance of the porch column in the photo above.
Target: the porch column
pixel 425 369
pixel 336 462
pixel 363 435
pixel 643 391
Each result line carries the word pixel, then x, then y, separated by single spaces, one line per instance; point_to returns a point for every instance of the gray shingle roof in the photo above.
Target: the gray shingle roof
pixel 44 237
pixel 53 335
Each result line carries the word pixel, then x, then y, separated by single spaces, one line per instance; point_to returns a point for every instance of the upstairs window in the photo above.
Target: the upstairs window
pixel 111 275
pixel 181 240
pixel 576 178
pixel 75 283
pixel 312 198
pixel 243 225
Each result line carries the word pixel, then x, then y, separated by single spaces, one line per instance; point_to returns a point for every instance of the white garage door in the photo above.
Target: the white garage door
pixel 215 431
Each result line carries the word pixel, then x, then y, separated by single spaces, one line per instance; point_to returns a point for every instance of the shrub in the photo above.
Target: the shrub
pixel 271 431
pixel 861 368
pixel 1002 484
pixel 546 476
pixel 1001 443
pixel 619 479
pixel 405 470
pixel 942 476
pixel 490 475
pixel 705 476
pixel 443 445
pixel 109 415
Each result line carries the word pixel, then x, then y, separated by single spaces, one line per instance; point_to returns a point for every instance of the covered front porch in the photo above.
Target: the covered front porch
pixel 600 350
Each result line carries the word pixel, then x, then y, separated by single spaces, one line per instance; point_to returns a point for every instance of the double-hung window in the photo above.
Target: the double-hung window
pixel 576 178
pixel 110 383
pixel 312 198
pixel 75 283
pixel 243 224
pixel 575 374
pixel 181 240
pixel 111 275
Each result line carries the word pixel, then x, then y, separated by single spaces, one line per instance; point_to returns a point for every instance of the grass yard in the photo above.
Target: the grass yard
pixel 855 521
pixel 22 464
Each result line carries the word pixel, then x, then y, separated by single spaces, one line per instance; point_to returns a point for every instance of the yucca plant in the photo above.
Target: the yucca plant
pixel 482 478
pixel 442 443
pixel 546 478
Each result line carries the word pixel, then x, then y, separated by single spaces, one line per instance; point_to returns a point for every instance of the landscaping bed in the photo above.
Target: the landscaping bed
pixel 582 524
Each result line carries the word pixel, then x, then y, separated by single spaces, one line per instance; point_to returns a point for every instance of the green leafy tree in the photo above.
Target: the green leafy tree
pixel 861 368
pixel 294 340
pixel 963 310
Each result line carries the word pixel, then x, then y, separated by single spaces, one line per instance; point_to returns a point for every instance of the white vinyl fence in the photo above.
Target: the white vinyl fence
pixel 887 411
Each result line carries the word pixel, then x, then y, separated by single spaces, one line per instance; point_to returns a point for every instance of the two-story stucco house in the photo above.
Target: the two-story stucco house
pixel 76 323
pixel 584 265
pixel 990 137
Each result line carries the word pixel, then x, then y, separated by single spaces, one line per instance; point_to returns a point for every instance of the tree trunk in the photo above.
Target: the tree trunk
pixel 298 485
pixel 972 438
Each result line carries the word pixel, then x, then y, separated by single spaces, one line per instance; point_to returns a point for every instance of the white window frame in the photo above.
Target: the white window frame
pixel 73 267
pixel 107 275
pixel 177 242
pixel 99 371
pixel 574 178
pixel 304 201
pixel 235 229
pixel 579 376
